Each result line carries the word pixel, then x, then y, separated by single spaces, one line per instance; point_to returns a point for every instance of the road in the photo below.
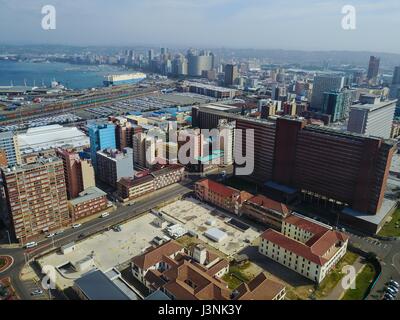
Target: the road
pixel 123 213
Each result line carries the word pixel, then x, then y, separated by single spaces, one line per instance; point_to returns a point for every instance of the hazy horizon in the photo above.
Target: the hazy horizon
pixel 295 25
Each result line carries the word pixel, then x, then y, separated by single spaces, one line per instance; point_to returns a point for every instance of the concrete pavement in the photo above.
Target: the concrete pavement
pixel 122 214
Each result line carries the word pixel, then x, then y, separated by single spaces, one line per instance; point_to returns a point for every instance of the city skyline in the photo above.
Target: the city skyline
pixel 190 23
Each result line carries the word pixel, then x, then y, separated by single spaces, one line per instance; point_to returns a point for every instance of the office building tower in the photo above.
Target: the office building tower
pixel 10 147
pixel 322 84
pixel 79 173
pixel 123 134
pixel 395 87
pixel 372 119
pixel 199 63
pixel 139 149
pixel 396 75
pixel 231 74
pixel 373 68
pixel 349 168
pixel 102 136
pixel 337 104
pixel 36 197
pixel 114 165
pixel 291 156
pixel 151 55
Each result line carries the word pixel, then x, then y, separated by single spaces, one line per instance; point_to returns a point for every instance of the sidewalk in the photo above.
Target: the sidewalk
pixel 338 292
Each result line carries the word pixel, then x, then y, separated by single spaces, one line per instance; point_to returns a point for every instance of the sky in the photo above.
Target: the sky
pixel 259 24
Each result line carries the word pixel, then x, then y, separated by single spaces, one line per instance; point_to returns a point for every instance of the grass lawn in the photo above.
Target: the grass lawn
pixel 389 229
pixel 363 281
pixel 333 278
pixel 236 275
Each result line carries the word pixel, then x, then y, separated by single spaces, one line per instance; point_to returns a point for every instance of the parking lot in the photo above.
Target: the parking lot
pixel 108 249
pixel 196 216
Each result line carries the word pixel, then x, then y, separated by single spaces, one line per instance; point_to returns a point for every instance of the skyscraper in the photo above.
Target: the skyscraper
pixel 199 63
pixel 36 197
pixel 373 68
pixel 322 84
pixel 396 76
pixel 231 74
pixel 102 136
pixel 337 104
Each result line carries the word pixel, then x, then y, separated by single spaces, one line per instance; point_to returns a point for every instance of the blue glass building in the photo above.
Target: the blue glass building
pixel 102 136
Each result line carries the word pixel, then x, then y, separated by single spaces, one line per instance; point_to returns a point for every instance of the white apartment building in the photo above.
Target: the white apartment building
pixel 227 132
pixel 306 246
pixel 372 119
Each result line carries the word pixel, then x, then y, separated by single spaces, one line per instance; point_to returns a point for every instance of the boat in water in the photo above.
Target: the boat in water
pixel 120 79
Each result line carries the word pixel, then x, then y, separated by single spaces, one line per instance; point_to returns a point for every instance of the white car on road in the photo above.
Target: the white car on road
pixel 76 225
pixel 31 245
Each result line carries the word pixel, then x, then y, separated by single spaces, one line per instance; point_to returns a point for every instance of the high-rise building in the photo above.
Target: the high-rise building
pixel 290 155
pixel 395 87
pixel 322 84
pixel 372 119
pixel 79 173
pixel 337 104
pixel 114 165
pixel 396 75
pixel 199 63
pixel 345 167
pixel 123 134
pixel 151 55
pixel 9 144
pixel 36 197
pixel 373 68
pixel 139 149
pixel 231 74
pixel 102 136
pixel 227 132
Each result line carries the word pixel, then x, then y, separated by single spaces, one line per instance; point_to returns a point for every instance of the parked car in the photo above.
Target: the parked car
pixel 391 291
pixel 117 228
pixel 393 288
pixel 105 215
pixel 394 283
pixel 76 225
pixel 388 297
pixel 31 245
pixel 37 292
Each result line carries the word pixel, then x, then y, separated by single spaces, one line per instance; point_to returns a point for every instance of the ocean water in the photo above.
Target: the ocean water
pixel 70 75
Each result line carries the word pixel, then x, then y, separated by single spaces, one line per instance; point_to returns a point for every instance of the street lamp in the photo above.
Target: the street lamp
pixel 9 239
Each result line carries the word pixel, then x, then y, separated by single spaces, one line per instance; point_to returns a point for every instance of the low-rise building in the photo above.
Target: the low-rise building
pixel 130 188
pixel 220 195
pixel 304 245
pixel 168 175
pixel 90 201
pixel 195 274
pixel 265 210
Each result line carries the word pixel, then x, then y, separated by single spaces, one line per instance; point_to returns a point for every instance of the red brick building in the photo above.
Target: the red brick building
pixel 220 195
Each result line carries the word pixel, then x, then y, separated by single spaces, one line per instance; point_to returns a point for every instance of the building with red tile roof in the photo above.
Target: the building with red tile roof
pixel 305 246
pixel 195 274
pixel 265 210
pixel 222 196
